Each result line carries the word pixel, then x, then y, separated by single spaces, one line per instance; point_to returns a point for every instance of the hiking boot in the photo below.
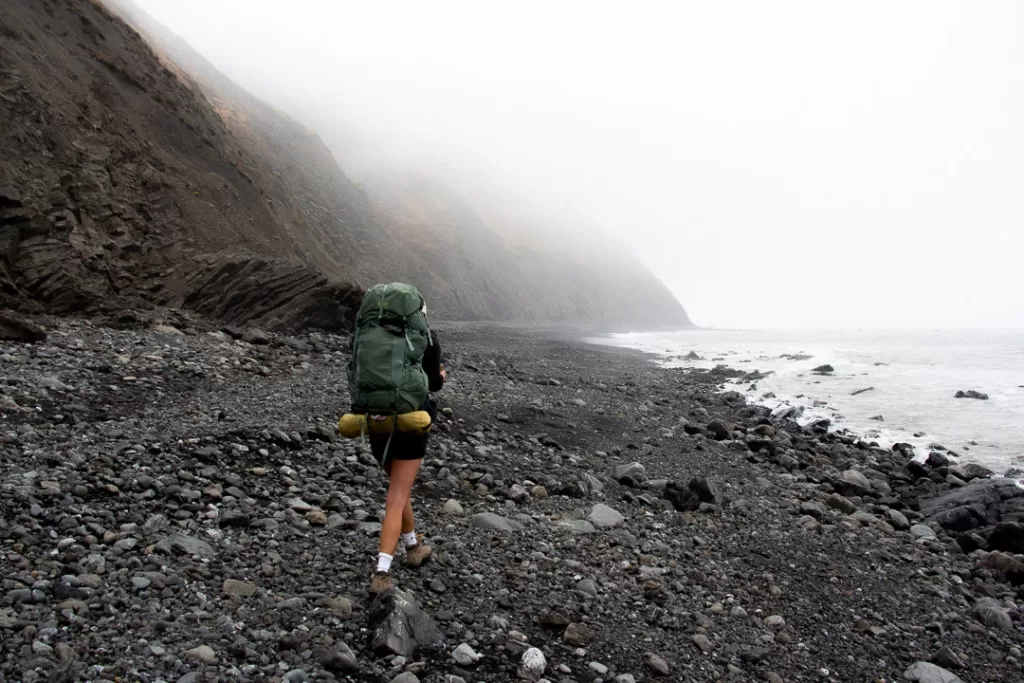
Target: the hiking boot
pixel 380 582
pixel 415 555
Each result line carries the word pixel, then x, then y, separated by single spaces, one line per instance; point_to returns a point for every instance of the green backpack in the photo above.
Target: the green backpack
pixel 385 373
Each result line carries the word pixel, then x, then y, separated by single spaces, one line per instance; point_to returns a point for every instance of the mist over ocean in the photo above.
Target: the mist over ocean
pixel 913 377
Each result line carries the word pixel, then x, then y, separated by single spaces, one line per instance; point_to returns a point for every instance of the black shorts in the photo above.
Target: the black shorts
pixel 403 446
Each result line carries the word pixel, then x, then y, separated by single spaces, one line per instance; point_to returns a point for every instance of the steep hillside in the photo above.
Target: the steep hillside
pixel 120 186
pixel 510 264
pixel 133 173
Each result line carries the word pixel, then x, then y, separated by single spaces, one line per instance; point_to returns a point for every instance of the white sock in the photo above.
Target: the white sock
pixel 410 539
pixel 384 562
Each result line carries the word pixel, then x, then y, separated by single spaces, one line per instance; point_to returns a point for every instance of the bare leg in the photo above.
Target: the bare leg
pixel 398 506
pixel 408 520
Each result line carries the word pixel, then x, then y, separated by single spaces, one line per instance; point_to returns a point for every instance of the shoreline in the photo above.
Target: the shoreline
pixel 881 433
pixel 735 546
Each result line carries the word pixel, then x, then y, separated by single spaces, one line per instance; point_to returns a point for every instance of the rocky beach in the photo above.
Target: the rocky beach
pixel 177 506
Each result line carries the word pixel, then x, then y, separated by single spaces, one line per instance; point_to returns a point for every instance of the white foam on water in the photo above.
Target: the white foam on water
pixel 914 375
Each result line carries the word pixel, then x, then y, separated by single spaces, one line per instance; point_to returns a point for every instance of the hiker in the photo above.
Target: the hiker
pixel 395 363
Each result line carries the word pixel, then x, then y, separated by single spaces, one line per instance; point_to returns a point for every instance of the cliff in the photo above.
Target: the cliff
pixel 134 174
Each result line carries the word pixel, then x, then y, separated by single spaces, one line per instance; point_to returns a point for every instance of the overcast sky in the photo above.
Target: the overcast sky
pixel 777 164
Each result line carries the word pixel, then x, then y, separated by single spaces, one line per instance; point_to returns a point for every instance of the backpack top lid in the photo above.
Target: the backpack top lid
pixel 397 299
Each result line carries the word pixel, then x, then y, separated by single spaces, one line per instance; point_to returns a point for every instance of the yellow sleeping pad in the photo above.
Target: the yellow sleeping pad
pixel 352 425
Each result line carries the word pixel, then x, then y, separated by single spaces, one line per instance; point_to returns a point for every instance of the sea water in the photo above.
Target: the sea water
pixel 912 379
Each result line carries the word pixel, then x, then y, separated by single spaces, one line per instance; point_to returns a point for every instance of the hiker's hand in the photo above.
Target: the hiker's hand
pixel 444 374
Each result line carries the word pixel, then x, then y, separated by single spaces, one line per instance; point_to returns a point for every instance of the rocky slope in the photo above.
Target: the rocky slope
pixel 176 507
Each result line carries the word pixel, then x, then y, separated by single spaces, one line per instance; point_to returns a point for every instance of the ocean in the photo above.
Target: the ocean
pixel 911 379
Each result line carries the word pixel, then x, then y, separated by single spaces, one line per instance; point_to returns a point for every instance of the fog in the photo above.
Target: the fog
pixel 784 164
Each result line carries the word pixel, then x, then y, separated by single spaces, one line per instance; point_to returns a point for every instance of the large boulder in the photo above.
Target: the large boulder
pixel 981 503
pixel 1008 536
pixel 399 626
pixel 16 328
pixel 852 483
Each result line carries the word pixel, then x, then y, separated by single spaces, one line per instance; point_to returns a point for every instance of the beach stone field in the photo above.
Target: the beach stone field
pixel 176 505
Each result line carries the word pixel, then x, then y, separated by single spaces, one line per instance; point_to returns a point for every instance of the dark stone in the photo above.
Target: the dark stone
pixel 718 430
pixel 936 460
pixel 16 328
pixel 398 625
pixel 972 394
pixel 186 545
pixel 691 496
pixel 339 659
pixel 962 518
pixel 904 449
pixel 1008 536
pixel 975 471
pixel 983 502
pixel 823 369
pixel 233 518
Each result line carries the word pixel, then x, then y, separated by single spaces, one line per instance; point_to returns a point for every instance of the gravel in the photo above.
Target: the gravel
pixel 183 510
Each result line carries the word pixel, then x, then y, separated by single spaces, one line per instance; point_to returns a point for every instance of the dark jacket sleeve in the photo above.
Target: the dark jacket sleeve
pixel 432 361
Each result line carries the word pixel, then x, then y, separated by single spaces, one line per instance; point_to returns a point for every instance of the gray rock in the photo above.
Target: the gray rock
pixel 813 508
pixel 992 614
pixel 489 520
pixel 405 677
pixel 605 517
pixel 980 503
pixel 453 507
pixel 598 668
pixel 897 519
pixel 518 494
pixel 718 430
pixel 339 659
pixel 203 654
pixel 703 642
pixel 532 665
pixel 926 672
pixel 657 664
pixel 633 470
pixel 841 503
pixel 464 655
pixel 591 484
pixel 186 545
pixel 53 383
pixel 242 589
pixel 853 482
pixel 576 526
pixel 576 635
pixel 398 625
pixel 920 531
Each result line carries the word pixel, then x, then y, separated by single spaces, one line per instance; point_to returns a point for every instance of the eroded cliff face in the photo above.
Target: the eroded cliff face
pixel 132 173
pixel 120 185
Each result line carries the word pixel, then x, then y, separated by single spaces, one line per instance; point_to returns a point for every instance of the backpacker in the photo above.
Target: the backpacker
pixel 385 373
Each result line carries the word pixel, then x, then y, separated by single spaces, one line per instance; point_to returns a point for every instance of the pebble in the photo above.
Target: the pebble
pixel 453 507
pixel 203 654
pixel 464 655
